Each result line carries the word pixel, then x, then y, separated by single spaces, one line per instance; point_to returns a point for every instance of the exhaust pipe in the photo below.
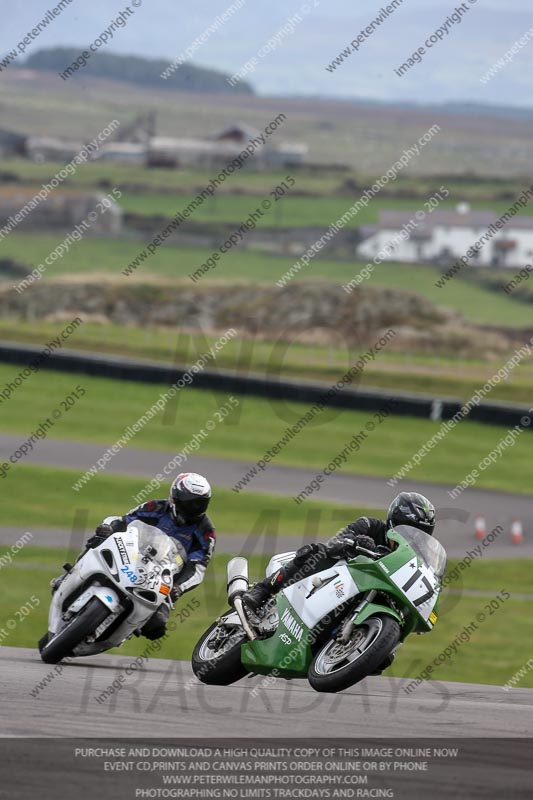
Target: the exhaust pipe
pixel 237 578
pixel 238 584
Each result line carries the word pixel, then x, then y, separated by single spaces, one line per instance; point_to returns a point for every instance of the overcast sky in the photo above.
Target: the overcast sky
pixel 450 71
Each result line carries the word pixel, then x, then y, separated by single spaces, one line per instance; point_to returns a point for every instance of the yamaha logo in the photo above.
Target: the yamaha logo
pixel 292 626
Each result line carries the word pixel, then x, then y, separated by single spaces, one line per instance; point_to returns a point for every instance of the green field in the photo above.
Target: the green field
pixel 104 175
pixel 110 256
pixel 110 406
pixel 131 177
pixel 496 651
pixel 446 376
pixel 289 211
pixel 52 503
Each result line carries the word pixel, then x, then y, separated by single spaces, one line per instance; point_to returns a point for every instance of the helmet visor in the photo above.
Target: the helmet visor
pixel 190 509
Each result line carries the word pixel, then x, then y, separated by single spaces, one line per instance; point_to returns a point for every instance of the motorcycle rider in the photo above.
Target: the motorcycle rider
pixel 408 508
pixel 183 517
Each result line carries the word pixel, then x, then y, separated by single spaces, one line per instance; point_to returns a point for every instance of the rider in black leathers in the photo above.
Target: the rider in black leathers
pixel 408 508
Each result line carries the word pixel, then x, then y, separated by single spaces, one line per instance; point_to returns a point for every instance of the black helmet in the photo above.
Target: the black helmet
pixel 189 496
pixel 411 508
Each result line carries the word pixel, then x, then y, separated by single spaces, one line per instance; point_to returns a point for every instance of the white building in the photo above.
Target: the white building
pixel 125 152
pixel 165 151
pixel 222 147
pixel 446 235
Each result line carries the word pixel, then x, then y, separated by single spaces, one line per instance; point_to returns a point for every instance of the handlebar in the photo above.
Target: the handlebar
pixel 375 554
pixel 370 553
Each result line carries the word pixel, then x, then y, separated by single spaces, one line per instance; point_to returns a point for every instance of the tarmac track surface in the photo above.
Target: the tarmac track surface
pixel 165 704
pixel 165 699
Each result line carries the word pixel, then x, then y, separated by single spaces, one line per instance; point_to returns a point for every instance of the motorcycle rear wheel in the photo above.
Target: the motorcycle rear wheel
pixel 73 634
pixel 216 659
pixel 338 666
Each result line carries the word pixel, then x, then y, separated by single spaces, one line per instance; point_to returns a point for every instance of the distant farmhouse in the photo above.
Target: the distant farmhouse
pixel 223 146
pixel 446 235
pixel 138 143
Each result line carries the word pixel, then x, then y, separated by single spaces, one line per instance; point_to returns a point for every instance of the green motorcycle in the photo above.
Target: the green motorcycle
pixel 334 627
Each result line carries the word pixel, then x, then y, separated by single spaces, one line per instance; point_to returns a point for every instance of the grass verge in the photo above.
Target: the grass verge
pixel 52 503
pixel 109 406
pixel 443 375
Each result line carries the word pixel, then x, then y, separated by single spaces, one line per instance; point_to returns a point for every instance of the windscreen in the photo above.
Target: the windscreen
pixel 426 547
pixel 155 544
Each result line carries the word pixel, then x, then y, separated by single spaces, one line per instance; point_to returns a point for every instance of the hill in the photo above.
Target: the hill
pixel 136 70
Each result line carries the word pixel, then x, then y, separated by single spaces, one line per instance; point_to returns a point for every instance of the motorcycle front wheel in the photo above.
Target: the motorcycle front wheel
pixel 73 634
pixel 216 659
pixel 339 665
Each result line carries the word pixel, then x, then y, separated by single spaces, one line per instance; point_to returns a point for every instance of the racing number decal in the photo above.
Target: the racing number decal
pixel 412 580
pixel 419 586
pixel 130 574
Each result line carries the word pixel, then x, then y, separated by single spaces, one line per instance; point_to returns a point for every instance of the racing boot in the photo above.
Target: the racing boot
pixel 301 565
pixel 257 596
pixel 268 587
pixel 156 626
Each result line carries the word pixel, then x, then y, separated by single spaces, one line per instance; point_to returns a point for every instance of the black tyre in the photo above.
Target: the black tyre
pixel 216 659
pixel 74 633
pixel 338 666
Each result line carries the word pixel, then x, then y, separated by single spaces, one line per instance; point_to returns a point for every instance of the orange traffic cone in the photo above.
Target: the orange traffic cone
pixel 517 531
pixel 481 527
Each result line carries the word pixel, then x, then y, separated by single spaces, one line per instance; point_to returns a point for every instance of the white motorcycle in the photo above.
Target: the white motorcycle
pixel 111 592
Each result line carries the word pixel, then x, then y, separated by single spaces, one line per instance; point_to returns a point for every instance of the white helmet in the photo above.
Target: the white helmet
pixel 189 497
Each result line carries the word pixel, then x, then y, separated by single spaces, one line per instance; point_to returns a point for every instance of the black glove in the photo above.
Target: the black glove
pixel 176 592
pixel 365 541
pixel 345 544
pixel 340 544
pixel 100 535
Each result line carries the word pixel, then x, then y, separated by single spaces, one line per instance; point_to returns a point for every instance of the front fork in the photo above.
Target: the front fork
pixel 365 609
pixel 349 625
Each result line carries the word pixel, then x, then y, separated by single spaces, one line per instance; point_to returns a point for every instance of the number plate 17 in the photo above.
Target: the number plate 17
pixel 419 585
